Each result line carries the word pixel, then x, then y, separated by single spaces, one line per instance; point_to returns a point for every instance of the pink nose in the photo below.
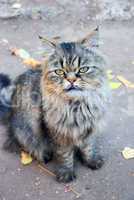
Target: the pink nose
pixel 71 80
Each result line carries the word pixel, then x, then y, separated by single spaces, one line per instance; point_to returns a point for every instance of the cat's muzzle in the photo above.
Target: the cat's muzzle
pixel 72 87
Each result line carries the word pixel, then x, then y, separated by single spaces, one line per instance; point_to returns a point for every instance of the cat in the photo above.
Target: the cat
pixel 56 109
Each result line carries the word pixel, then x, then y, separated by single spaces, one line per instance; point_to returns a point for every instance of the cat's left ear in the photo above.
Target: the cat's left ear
pixel 53 42
pixel 91 39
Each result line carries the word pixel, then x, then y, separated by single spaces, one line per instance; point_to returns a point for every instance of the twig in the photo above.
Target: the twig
pixel 52 174
pixel 46 170
pixel 125 82
pixel 75 192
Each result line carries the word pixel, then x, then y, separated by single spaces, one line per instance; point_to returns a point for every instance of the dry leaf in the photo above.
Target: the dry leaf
pixel 128 153
pixel 20 52
pixel 32 63
pixel 131 173
pixel 125 82
pixel 27 60
pixel 14 51
pixel 110 74
pixel 114 85
pixel 26 159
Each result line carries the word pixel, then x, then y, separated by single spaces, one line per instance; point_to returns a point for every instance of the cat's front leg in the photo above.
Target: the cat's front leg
pixel 65 160
pixel 89 155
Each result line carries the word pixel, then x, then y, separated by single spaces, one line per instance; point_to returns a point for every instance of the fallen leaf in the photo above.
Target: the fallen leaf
pixel 110 74
pixel 14 51
pixel 26 159
pixel 114 85
pixel 128 153
pixel 20 52
pixel 27 60
pixel 125 82
pixel 131 173
pixel 32 62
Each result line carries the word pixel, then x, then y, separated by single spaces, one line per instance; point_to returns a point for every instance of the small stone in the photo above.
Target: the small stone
pixel 13 173
pixel 5 41
pixel 27 195
pixel 2 197
pixel 87 188
pixel 19 169
pixel 41 193
pixel 16 6
pixel 37 178
pixel 37 183
pixel 3 170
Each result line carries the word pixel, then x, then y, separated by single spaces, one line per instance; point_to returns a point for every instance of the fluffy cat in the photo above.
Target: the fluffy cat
pixel 56 109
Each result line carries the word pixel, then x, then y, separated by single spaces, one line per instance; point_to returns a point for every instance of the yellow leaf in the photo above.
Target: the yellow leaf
pixel 23 54
pixel 125 82
pixel 114 85
pixel 128 153
pixel 32 62
pixel 20 52
pixel 110 74
pixel 14 51
pixel 26 159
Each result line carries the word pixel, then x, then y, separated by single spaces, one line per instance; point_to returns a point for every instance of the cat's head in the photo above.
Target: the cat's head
pixel 74 68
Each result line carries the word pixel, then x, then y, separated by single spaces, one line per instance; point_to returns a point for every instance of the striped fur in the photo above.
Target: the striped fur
pixel 60 107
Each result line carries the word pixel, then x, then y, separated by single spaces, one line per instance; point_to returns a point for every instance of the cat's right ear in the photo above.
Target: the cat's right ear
pixel 91 39
pixel 51 43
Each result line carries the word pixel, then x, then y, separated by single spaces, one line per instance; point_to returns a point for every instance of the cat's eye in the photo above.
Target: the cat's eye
pixel 83 69
pixel 59 72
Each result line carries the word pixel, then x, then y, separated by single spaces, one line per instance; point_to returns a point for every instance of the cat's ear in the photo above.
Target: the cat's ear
pixel 91 39
pixel 51 42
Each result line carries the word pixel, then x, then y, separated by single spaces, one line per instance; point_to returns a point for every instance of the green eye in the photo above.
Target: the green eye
pixel 59 72
pixel 83 69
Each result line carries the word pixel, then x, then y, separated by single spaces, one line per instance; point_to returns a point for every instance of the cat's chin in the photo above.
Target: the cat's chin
pixel 73 90
pixel 74 93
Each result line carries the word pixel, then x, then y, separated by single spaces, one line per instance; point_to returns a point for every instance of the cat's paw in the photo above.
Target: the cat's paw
pixel 65 175
pixel 95 163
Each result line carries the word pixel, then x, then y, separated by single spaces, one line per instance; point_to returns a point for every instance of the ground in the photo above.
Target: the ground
pixel 116 178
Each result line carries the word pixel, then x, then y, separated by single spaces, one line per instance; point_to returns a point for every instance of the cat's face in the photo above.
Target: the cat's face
pixel 73 70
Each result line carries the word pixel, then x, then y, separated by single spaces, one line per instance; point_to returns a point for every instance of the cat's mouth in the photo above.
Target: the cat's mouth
pixel 72 88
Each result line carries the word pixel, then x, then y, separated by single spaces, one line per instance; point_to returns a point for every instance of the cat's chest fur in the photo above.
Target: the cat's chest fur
pixel 71 120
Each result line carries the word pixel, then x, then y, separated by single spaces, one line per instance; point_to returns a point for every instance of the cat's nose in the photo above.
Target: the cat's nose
pixel 71 78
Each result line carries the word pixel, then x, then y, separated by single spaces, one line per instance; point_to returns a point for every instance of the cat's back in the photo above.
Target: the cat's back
pixel 30 77
pixel 27 90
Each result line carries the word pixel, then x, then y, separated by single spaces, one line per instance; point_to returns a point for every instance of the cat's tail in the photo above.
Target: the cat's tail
pixel 6 90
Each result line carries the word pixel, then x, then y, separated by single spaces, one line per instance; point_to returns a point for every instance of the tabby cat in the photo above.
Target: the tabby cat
pixel 56 109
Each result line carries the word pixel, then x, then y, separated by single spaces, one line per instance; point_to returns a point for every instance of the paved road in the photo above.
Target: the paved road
pixel 115 181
